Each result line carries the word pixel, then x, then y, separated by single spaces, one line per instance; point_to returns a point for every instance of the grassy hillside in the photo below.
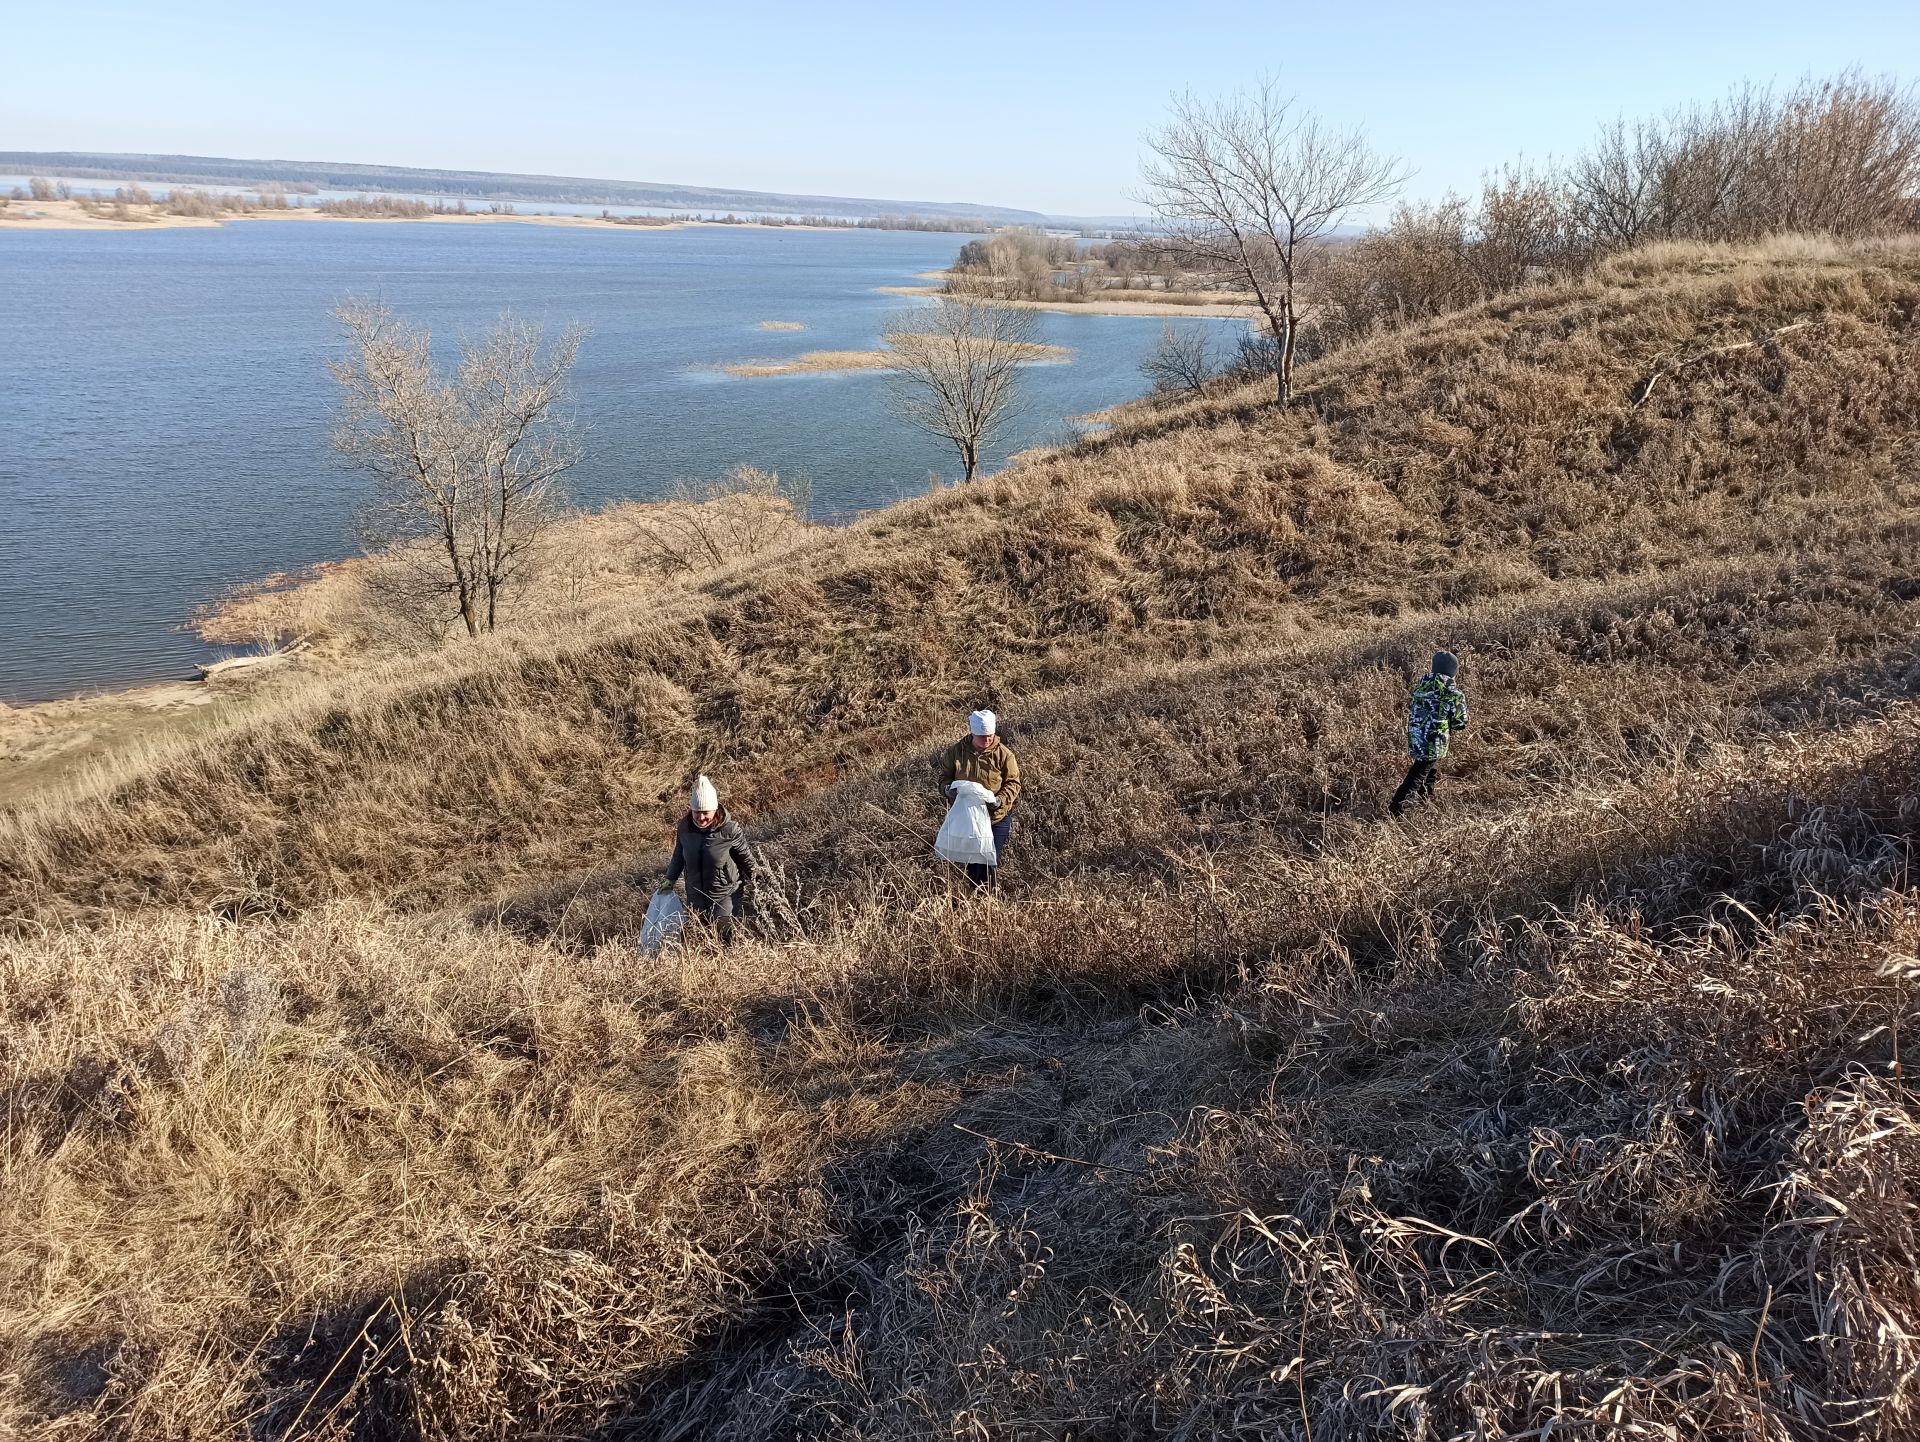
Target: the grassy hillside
pixel 1493 454
pixel 338 1106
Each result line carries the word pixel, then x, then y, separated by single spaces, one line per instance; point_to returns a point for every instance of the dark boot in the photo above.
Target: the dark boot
pixel 1418 786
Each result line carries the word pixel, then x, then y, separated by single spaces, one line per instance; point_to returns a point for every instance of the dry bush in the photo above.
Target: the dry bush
pixel 746 512
pixel 1181 362
pixel 1839 157
pixel 204 204
pixel 1019 263
pixel 396 207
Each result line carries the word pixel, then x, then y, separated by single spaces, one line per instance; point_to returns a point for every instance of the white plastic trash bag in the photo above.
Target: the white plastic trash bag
pixel 966 836
pixel 666 914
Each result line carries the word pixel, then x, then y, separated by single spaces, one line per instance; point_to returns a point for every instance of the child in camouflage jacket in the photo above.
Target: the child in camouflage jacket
pixel 1437 710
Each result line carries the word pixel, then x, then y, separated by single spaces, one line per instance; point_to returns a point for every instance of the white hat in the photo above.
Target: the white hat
pixel 704 798
pixel 981 723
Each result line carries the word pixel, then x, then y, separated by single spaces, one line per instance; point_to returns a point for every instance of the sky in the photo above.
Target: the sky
pixel 1037 105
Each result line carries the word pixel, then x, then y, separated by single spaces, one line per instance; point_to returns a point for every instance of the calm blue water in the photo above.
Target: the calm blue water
pixel 165 402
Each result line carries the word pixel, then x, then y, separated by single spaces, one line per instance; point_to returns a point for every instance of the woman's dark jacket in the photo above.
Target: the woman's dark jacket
pixel 717 862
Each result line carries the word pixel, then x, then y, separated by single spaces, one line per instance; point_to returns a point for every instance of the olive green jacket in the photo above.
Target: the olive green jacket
pixel 997 769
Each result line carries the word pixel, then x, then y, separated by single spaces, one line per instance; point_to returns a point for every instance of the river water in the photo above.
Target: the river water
pixel 166 405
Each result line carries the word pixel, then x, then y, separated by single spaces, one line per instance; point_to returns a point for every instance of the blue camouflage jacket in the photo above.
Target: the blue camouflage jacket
pixel 1438 709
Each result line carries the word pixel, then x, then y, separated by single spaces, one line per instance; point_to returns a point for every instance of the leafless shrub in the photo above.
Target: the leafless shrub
pixel 718 522
pixel 1840 156
pixel 1181 362
pixel 196 204
pixel 396 207
pixel 40 188
pixel 1257 357
pixel 1019 263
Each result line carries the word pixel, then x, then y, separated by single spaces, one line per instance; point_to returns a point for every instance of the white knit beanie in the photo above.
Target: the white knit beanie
pixel 704 798
pixel 981 723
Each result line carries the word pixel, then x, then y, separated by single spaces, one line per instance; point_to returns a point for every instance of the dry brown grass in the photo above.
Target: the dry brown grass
pixel 354 1174
pixel 373 1141
pixel 1242 1110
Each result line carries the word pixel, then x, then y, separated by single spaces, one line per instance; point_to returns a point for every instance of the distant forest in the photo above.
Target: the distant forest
pixel 482 185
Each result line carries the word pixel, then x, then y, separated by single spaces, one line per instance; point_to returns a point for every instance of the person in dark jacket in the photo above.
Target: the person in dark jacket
pixel 1436 711
pixel 983 757
pixel 710 850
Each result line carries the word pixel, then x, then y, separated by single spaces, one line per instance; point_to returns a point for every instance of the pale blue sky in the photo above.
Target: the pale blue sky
pixel 1033 104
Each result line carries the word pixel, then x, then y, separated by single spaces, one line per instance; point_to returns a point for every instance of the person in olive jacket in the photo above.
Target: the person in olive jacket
pixel 983 757
pixel 710 850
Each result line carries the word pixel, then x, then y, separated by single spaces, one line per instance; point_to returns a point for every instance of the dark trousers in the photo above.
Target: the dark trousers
pixel 979 873
pixel 1417 787
pixel 716 912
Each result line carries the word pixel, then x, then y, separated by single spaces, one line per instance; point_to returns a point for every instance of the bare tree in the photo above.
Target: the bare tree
pixel 955 364
pixel 1251 187
pixel 1181 362
pixel 472 462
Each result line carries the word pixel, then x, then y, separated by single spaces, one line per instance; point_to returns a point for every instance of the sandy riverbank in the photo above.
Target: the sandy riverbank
pixel 49 742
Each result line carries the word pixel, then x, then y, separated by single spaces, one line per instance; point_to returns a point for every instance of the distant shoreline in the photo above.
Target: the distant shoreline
pixel 69 215
pixel 1211 307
